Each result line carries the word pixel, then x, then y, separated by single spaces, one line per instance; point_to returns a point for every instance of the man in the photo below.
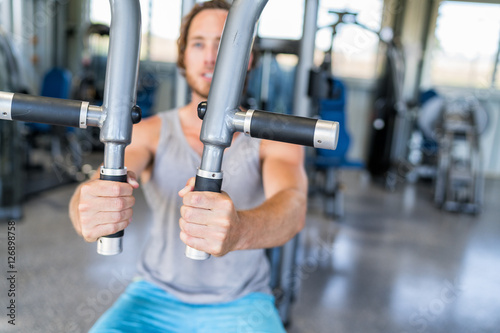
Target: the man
pixel 263 205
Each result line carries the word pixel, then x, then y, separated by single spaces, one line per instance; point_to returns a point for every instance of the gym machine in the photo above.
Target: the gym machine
pixel 459 178
pixel 117 114
pixel 12 150
pixel 221 114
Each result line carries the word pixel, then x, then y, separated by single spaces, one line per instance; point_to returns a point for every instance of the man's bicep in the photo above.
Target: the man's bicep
pixel 283 168
pixel 138 155
pixel 137 159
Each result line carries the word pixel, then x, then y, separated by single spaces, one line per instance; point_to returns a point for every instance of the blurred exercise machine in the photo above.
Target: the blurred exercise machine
pixel 459 177
pixel 391 120
pixel 11 147
pixel 329 95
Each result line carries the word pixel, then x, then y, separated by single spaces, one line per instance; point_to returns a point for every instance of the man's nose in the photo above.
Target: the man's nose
pixel 211 54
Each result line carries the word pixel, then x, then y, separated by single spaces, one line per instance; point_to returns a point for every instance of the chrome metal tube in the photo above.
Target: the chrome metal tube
pixel 6 105
pixel 95 116
pixel 301 100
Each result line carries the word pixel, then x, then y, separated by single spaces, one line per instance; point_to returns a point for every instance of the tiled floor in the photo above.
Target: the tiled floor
pixel 394 264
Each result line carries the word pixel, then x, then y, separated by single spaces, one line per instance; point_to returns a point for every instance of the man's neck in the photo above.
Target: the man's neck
pixel 189 114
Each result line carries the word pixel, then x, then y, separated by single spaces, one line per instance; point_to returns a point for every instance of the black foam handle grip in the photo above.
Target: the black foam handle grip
pixel 282 127
pixel 119 178
pixel 207 184
pixel 46 110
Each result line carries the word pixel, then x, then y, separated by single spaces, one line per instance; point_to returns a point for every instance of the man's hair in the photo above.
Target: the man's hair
pixel 186 24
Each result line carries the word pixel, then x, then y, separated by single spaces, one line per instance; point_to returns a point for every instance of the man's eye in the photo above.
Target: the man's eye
pixel 198 45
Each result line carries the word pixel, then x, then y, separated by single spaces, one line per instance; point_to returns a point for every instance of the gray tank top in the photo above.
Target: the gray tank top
pixel 163 262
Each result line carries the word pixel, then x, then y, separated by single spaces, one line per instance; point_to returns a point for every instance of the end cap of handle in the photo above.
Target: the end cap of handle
pixel 326 134
pixel 108 246
pixel 196 254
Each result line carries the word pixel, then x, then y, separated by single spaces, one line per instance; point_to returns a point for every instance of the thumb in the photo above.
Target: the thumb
pixel 132 179
pixel 188 188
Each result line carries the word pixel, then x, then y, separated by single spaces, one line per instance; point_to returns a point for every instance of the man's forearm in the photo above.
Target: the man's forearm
pixel 274 222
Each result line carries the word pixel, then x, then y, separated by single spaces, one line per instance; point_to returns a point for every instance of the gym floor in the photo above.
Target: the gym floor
pixel 393 264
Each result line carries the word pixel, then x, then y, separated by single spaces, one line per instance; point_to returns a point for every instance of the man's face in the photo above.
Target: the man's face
pixel 201 49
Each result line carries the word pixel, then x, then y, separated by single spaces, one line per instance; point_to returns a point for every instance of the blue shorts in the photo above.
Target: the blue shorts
pixel 144 307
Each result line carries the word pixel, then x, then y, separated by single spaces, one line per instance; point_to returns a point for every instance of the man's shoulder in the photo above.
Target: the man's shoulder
pixel 147 131
pixel 149 125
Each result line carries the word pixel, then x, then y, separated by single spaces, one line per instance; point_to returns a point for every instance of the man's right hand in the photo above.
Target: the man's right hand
pixel 105 207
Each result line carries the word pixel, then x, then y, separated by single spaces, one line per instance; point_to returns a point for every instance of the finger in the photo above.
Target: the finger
pixel 209 200
pixel 188 188
pixel 196 215
pixel 211 233
pixel 132 179
pixel 106 204
pixel 204 200
pixel 196 243
pixel 106 188
pixel 103 218
pixel 91 235
pixel 193 229
pixel 90 221
pixel 191 181
pixel 202 244
pixel 216 220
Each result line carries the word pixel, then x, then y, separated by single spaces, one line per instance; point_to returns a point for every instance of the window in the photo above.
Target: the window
pixel 282 19
pixel 354 49
pixel 160 18
pixel 465 45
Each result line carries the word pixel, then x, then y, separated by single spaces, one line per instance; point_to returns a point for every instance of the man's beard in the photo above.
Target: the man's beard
pixel 197 90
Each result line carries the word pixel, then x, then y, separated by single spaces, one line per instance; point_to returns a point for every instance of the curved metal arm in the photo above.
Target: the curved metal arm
pixel 224 97
pixel 120 92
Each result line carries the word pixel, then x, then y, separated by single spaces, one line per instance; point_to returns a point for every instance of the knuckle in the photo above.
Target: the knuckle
pixel 188 213
pixel 195 198
pixel 118 227
pixel 84 221
pixel 227 203
pixel 87 235
pixel 128 213
pixel 184 238
pixel 85 189
pixel 225 222
pixel 119 203
pixel 186 228
pixel 221 237
pixel 116 216
pixel 83 207
pixel 115 189
pixel 216 250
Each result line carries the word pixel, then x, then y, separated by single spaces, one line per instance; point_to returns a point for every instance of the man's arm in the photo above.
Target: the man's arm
pixel 283 213
pixel 211 223
pixel 98 207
